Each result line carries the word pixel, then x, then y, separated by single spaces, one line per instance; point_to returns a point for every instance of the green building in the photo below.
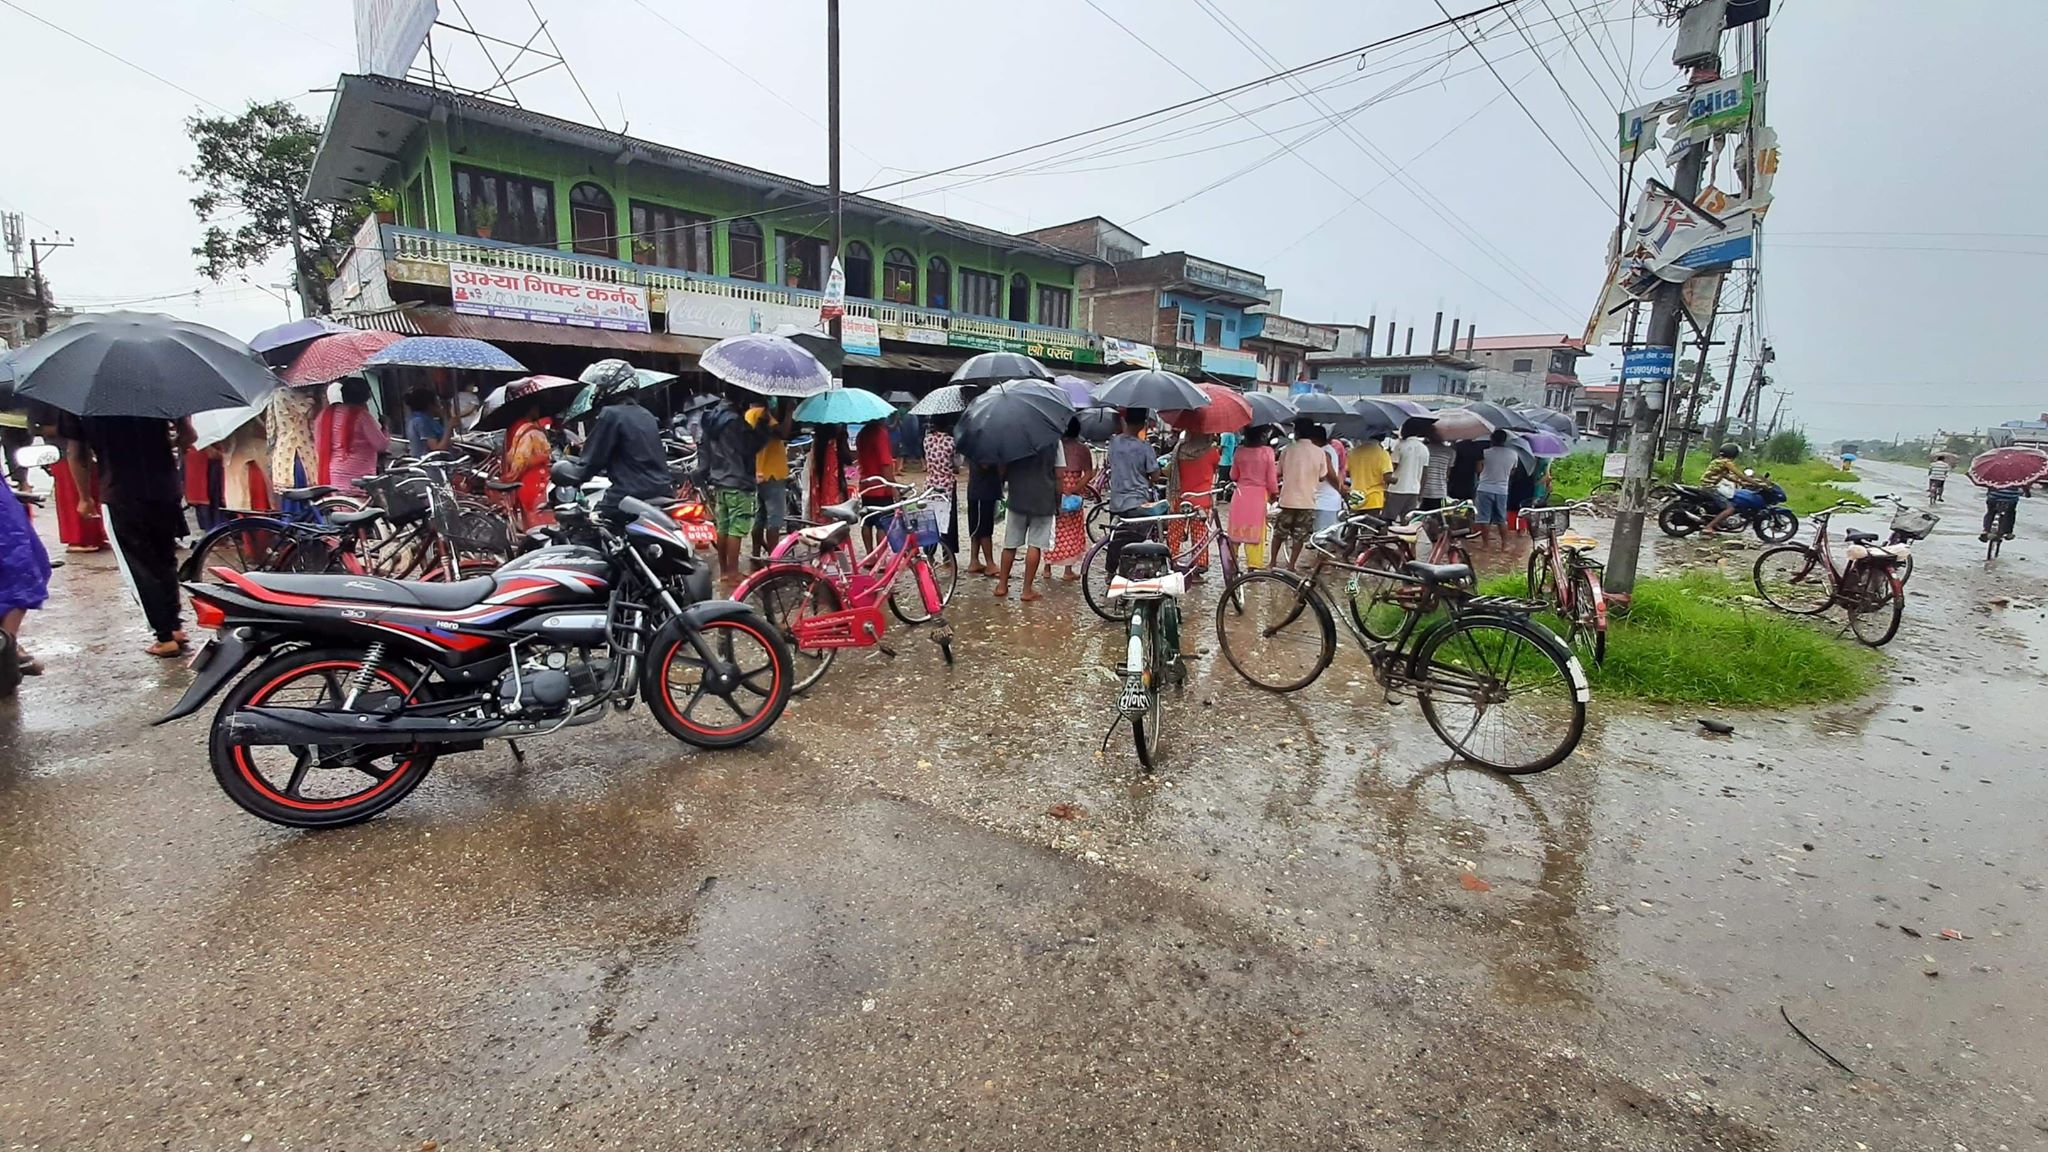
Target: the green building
pixel 539 232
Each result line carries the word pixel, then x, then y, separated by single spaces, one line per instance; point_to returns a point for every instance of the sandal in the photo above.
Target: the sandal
pixel 165 649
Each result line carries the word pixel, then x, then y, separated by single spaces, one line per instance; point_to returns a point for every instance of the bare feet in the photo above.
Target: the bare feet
pixel 1028 597
pixel 1002 589
pixel 165 649
pixel 1070 574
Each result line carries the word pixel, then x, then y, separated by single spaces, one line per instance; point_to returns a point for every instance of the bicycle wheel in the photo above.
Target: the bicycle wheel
pixel 1876 605
pixel 1096 522
pixel 1377 602
pixel 250 544
pixel 1282 637
pixel 1588 614
pixel 1095 584
pixel 907 603
pixel 1145 656
pixel 789 596
pixel 1539 582
pixel 1501 692
pixel 1792 578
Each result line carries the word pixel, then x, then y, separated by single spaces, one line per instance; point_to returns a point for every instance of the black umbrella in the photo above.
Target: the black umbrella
pixel 1320 407
pixel 278 345
pixel 1368 417
pixel 140 364
pixel 1151 388
pixel 1269 409
pixel 996 367
pixel 1550 419
pixel 1100 424
pixel 504 404
pixel 902 398
pixel 1012 421
pixel 1500 417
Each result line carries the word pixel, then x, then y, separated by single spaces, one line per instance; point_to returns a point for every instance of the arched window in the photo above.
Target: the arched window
pixel 860 271
pixel 744 250
pixel 899 277
pixel 938 283
pixel 593 222
pixel 1020 299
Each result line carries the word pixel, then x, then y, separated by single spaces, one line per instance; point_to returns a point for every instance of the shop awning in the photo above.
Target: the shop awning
pixel 908 361
pixel 435 320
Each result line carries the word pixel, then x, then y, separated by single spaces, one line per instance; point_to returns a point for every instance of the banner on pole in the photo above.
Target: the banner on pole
pixel 1716 106
pixel 1637 124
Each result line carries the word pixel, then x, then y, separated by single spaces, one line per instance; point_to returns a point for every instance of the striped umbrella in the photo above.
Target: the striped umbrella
pixel 331 357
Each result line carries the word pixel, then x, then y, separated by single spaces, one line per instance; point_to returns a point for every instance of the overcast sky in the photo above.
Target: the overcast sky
pixel 1902 281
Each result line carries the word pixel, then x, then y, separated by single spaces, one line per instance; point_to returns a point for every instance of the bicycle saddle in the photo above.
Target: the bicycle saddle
pixel 1855 537
pixel 1146 550
pixel 848 513
pixel 310 492
pixel 502 485
pixel 1438 573
pixel 351 519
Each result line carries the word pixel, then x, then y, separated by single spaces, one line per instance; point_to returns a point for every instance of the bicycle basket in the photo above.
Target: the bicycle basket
pixel 925 522
pixel 402 503
pixel 1914 522
pixel 470 529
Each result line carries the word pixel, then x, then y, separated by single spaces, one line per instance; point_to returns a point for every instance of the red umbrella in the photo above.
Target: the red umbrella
pixel 2012 467
pixel 1226 411
pixel 331 357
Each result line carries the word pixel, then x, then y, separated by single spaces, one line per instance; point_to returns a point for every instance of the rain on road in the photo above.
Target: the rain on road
pixel 932 909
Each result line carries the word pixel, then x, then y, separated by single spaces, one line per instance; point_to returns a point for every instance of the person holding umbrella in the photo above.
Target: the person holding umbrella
pixel 1257 477
pixel 425 429
pixel 135 461
pixel 726 455
pixel 1411 459
pixel 1496 470
pixel 1190 479
pixel 348 437
pixel 1305 468
pixel 1034 495
pixel 1070 529
pixel 775 421
pixel 524 460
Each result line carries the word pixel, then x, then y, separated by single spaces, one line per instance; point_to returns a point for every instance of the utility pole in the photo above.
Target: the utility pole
pixel 1628 341
pixel 1728 384
pixel 35 275
pixel 832 138
pixel 1692 407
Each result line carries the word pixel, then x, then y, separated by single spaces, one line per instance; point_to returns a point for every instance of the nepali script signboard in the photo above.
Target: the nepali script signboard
pixel 544 299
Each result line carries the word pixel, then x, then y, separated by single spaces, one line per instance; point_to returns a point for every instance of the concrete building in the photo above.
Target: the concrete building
pixel 1283 345
pixel 1533 369
pixel 1361 364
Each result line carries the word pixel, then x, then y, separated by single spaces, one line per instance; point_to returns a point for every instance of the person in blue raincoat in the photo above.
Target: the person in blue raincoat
pixel 24 585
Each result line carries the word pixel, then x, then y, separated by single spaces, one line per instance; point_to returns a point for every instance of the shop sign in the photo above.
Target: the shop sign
pixel 544 299
pixel 1718 106
pixel 1116 350
pixel 701 314
pixel 1639 125
pixel 1186 361
pixel 1229 363
pixel 860 335
pixel 1646 364
pixel 1073 353
pixel 1198 271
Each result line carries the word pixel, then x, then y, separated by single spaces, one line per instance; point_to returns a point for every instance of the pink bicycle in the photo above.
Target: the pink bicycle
pixel 823 595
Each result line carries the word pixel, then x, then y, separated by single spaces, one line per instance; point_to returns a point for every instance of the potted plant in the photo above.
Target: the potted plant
pixel 792 272
pixel 483 217
pixel 384 204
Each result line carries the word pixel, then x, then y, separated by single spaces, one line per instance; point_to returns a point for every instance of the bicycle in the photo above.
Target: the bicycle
pixel 833 600
pixel 1191 557
pixel 1476 662
pixel 1384 547
pixel 1910 525
pixel 1148 583
pixel 1563 575
pixel 1804 580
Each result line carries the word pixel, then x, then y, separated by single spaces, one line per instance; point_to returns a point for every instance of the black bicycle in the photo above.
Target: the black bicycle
pixel 1498 688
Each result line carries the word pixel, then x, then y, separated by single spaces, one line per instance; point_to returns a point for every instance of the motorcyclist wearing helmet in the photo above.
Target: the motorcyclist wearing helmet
pixel 1722 467
pixel 625 439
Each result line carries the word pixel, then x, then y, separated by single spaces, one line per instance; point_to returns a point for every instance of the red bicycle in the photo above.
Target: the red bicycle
pixel 833 599
pixel 1804 579
pixel 1563 574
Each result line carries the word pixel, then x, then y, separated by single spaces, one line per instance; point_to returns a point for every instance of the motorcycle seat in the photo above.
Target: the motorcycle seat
pixel 846 513
pixel 439 596
pixel 1438 573
pixel 1855 537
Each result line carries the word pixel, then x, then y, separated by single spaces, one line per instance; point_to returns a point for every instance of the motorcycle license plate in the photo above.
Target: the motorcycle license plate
pixel 698 533
pixel 204 656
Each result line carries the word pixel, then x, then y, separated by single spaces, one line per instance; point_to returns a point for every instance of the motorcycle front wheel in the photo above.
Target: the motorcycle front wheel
pixel 719 683
pixel 1776 525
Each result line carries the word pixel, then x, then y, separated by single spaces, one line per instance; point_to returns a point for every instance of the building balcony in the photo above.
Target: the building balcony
pixel 685 302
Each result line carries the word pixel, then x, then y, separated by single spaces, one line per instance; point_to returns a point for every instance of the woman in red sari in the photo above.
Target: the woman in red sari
pixel 525 460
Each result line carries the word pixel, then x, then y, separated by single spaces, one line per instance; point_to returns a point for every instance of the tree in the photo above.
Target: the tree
pixel 252 172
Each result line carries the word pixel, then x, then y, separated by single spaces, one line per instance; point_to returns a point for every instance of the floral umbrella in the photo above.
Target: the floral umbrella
pixel 444 352
pixel 770 365
pixel 331 357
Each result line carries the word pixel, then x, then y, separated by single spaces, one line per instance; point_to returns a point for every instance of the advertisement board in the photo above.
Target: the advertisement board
pixel 389 34
pixel 860 335
pixel 544 299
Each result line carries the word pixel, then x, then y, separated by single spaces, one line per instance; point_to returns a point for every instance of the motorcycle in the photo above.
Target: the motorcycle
pixel 1760 508
pixel 351 686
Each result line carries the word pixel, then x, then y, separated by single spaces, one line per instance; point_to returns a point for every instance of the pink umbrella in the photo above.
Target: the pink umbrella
pixel 2013 467
pixel 1227 411
pixel 332 357
pixel 1456 423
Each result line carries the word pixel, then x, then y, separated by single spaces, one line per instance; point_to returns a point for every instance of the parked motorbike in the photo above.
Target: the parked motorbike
pixel 354 685
pixel 1761 509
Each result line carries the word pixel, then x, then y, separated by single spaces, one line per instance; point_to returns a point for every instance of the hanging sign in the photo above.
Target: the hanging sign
pixel 835 292
pixel 860 335
pixel 480 291
pixel 1646 364
pixel 1715 107
pixel 1116 350
pixel 1637 123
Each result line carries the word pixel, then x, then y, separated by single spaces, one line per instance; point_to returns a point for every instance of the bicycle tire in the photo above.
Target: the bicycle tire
pixel 1145 726
pixel 1777 589
pixel 1454 660
pixel 1095 584
pixel 1879 605
pixel 245 544
pixel 1588 614
pixel 1384 593
pixel 906 603
pixel 1275 602
pixel 782 598
pixel 1537 586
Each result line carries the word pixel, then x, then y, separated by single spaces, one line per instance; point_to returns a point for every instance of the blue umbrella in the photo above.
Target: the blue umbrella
pixel 277 344
pixel 844 406
pixel 770 365
pixel 647 377
pixel 444 352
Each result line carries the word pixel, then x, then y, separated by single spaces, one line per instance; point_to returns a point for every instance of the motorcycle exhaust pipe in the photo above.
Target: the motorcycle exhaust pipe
pixel 328 726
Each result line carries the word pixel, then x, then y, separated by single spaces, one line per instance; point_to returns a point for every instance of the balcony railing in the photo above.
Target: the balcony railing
pixel 414 246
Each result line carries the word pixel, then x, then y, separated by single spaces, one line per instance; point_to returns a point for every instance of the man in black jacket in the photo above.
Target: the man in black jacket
pixel 625 441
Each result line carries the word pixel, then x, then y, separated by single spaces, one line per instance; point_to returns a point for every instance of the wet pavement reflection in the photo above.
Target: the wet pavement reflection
pixel 944 906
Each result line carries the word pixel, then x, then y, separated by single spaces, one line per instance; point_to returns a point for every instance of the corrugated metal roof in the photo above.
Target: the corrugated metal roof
pixel 434 320
pixel 353 141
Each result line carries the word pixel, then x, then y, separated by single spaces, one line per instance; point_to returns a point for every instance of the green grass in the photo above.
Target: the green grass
pixel 1810 485
pixel 1691 639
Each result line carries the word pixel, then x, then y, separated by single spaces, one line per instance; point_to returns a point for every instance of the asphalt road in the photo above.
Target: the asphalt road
pixel 933 910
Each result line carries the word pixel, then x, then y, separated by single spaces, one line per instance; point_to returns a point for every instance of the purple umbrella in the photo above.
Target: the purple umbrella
pixel 277 345
pixel 1548 445
pixel 1076 389
pixel 770 365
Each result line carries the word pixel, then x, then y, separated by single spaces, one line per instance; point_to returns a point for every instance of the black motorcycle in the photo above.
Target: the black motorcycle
pixel 363 681
pixel 1760 509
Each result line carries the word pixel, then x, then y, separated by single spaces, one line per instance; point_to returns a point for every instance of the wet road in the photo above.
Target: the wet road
pixel 932 910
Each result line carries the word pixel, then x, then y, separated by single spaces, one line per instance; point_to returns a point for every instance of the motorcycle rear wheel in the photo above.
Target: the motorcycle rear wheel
pixel 388 773
pixel 1673 520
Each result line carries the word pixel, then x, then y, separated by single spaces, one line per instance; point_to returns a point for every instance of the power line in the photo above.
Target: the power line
pixel 1597 193
pixel 111 55
pixel 1600 149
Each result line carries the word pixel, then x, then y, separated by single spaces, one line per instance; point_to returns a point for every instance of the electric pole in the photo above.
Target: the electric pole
pixel 832 140
pixel 35 275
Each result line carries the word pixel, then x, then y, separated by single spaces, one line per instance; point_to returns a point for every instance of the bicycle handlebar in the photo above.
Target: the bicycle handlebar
pixel 1446 510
